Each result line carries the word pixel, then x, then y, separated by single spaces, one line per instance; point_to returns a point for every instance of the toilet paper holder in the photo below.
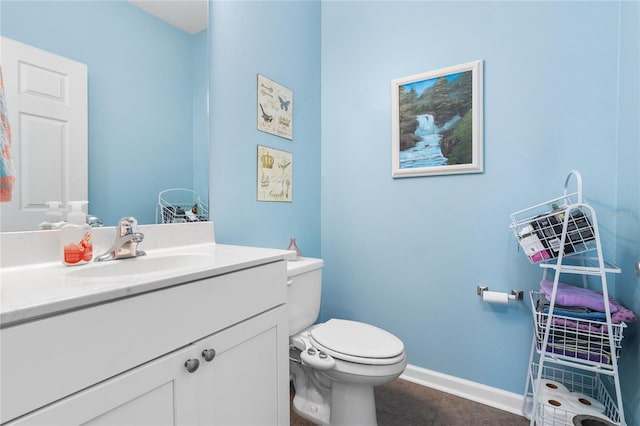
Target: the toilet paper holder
pixel 514 295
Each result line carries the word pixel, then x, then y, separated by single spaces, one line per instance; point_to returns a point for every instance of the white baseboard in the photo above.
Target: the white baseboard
pixel 487 395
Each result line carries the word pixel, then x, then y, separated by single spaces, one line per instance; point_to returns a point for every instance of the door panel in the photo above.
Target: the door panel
pixel 46 98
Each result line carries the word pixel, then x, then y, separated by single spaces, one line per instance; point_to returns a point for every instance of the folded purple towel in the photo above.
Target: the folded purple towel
pixel 621 315
pixel 570 295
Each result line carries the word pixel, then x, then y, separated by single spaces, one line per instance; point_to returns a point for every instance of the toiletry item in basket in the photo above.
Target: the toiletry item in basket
pixel 549 229
pixel 173 214
pixel 532 245
pixel 77 247
pixel 53 216
pixel 558 211
pixel 579 228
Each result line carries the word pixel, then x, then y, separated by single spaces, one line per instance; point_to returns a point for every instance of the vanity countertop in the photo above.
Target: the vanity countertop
pixel 37 290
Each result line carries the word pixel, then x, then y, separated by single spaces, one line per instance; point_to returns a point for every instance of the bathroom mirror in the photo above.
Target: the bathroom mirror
pixel 147 95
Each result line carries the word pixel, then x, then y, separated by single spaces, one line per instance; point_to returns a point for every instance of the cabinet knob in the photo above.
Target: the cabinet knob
pixel 192 365
pixel 208 354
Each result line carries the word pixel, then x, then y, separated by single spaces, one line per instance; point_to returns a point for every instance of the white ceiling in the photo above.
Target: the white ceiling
pixel 188 15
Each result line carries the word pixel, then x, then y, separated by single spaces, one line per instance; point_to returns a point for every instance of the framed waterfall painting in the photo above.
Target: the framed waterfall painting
pixel 437 122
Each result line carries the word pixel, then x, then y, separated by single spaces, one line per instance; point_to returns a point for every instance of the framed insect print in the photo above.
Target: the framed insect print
pixel 275 108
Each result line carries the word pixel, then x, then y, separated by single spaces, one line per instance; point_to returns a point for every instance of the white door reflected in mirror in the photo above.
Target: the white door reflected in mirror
pixel 46 98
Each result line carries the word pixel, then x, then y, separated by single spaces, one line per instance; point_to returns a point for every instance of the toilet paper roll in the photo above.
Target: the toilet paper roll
pixel 555 408
pixel 551 387
pixel 495 297
pixel 584 404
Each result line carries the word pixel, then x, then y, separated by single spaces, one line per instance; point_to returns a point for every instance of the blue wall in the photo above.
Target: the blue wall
pixel 407 254
pixel 280 40
pixel 561 93
pixel 200 70
pixel 628 190
pixel 140 119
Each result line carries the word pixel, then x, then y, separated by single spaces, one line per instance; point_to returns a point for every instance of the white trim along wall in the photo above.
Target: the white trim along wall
pixel 493 397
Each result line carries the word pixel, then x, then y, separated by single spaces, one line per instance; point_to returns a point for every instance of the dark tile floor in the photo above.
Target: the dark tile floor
pixel 403 403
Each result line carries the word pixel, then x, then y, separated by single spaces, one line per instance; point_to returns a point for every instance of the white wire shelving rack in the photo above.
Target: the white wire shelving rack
pixel 180 205
pixel 562 236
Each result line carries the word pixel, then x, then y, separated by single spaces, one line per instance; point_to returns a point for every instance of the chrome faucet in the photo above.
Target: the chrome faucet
pixel 126 243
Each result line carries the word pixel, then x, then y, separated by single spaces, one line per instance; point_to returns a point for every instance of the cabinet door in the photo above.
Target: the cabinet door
pixel 247 382
pixel 160 392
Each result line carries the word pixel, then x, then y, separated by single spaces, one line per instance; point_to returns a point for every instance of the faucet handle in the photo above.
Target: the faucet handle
pixel 126 225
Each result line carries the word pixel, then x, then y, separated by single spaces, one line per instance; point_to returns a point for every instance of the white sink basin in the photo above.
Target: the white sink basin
pixel 142 265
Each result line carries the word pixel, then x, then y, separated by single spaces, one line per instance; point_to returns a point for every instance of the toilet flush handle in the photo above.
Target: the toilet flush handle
pixel 317 359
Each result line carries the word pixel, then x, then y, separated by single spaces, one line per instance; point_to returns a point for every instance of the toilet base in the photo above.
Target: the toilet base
pixel 311 400
pixel 333 403
pixel 310 410
pixel 352 405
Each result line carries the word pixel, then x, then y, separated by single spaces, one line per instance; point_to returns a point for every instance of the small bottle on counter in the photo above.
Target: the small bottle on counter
pixel 53 216
pixel 77 248
pixel 294 247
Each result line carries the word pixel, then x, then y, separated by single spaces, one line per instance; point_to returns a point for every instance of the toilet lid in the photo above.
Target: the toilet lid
pixel 357 339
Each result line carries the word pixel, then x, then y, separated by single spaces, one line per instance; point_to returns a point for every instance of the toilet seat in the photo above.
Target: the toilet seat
pixel 357 342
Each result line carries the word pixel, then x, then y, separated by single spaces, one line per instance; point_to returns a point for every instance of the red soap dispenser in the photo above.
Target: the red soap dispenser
pixel 77 247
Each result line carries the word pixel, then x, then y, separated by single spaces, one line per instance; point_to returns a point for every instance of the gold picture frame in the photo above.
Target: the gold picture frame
pixel 275 175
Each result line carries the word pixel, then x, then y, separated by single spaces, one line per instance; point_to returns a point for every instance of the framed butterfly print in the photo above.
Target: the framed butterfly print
pixel 275 108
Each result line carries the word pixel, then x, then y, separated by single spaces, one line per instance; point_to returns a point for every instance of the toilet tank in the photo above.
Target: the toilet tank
pixel 304 286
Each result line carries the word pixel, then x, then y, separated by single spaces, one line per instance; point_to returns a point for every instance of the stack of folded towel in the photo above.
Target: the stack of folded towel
pixel 580 331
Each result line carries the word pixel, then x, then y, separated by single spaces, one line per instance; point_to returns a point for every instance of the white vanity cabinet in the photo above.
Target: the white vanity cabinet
pixel 237 386
pixel 126 362
pixel 160 392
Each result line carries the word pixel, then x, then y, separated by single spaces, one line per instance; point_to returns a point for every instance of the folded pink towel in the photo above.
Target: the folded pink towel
pixel 570 295
pixel 622 314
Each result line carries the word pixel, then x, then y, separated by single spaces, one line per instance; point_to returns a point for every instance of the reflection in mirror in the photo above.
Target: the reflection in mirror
pixel 147 98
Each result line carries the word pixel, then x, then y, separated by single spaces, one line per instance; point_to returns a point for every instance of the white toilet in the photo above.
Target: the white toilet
pixel 335 365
